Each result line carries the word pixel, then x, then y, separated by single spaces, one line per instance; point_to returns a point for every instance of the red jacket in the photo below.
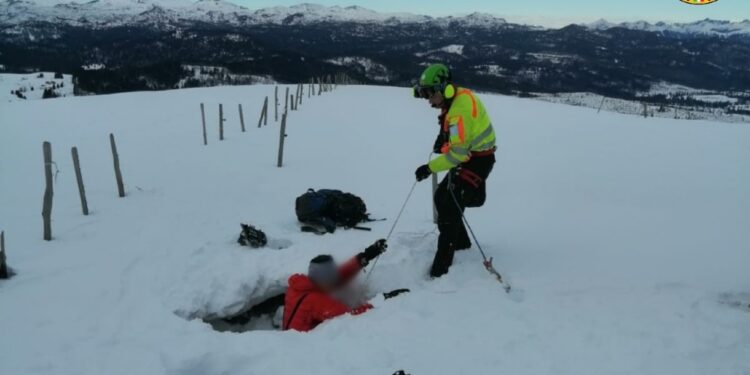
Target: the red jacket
pixel 317 305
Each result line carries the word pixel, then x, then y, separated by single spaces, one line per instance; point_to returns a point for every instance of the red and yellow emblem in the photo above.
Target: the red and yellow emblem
pixel 699 2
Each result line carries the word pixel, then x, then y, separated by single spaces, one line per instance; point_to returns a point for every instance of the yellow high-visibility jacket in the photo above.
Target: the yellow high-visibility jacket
pixel 469 128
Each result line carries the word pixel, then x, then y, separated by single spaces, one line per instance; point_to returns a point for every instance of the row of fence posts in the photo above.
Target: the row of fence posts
pixel 291 103
pixel 49 182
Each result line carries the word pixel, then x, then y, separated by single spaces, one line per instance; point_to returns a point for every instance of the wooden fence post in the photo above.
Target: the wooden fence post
pixel 265 112
pixel 4 274
pixel 203 117
pixel 263 119
pixel 320 86
pixel 79 178
pixel 282 135
pixel 48 192
pixel 292 102
pixel 434 189
pixel 286 101
pixel 301 92
pixel 116 160
pixel 221 122
pixel 242 119
pixel 276 105
pixel 3 266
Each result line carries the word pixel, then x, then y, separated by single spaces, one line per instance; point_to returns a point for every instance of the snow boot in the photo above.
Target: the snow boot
pixel 443 257
pixel 462 241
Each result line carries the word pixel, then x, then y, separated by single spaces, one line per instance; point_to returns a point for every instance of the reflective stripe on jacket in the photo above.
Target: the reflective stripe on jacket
pixel 469 128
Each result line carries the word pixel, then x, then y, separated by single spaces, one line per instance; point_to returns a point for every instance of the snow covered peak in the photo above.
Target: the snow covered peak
pixel 705 27
pixel 482 19
pixel 314 13
pixel 118 12
pixel 105 13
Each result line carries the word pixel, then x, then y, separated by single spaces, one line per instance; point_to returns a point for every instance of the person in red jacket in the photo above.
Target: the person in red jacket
pixel 308 301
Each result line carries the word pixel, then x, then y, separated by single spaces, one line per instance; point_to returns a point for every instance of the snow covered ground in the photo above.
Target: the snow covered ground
pixel 31 85
pixel 632 107
pixel 627 236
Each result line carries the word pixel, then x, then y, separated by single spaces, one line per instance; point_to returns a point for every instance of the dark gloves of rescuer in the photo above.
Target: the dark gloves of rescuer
pixel 423 172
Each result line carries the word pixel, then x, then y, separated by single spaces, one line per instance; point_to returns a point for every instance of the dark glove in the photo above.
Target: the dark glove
pixel 394 293
pixel 423 172
pixel 375 249
pixel 372 252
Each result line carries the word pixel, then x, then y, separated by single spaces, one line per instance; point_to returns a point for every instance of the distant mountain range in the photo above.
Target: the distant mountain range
pixel 704 27
pixel 158 44
pixel 110 13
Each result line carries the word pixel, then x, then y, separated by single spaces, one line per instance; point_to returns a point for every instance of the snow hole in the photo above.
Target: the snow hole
pixel 265 316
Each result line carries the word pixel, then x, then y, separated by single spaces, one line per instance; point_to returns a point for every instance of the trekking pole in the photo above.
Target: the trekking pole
pixel 393 227
pixel 486 262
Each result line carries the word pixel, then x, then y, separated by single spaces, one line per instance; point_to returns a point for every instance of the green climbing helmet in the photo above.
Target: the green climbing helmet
pixel 435 75
pixel 436 78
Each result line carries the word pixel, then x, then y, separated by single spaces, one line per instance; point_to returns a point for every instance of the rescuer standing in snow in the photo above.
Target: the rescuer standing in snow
pixel 466 144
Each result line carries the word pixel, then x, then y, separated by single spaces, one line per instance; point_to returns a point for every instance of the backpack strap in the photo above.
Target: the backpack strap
pixel 294 312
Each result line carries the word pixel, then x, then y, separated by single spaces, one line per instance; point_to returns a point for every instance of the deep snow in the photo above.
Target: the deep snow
pixel 628 236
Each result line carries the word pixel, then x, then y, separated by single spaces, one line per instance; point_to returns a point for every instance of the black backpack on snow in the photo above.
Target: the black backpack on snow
pixel 330 208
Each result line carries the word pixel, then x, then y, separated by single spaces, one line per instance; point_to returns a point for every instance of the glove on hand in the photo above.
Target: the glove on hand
pixel 394 293
pixel 376 249
pixel 423 172
pixel 372 252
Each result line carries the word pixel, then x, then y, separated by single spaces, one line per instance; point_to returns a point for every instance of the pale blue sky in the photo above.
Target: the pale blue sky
pixel 548 12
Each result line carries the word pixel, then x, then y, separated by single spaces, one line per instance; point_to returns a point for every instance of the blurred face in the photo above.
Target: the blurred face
pixel 326 287
pixel 432 94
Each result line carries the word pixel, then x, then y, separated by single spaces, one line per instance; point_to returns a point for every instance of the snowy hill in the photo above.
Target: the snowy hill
pixel 33 86
pixel 626 236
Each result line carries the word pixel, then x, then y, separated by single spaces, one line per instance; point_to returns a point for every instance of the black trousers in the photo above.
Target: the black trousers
pixel 451 198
